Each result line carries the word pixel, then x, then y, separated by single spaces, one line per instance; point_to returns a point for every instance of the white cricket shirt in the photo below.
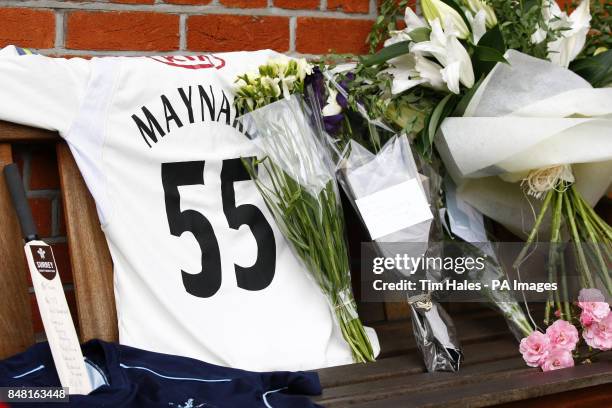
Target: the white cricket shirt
pixel 201 270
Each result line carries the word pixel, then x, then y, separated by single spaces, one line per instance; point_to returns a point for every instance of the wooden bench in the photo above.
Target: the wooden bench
pixel 493 371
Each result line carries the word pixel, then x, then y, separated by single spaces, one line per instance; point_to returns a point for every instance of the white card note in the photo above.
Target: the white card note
pixel 394 208
pixel 59 327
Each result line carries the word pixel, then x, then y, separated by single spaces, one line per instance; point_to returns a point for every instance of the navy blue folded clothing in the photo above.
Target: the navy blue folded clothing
pixel 129 377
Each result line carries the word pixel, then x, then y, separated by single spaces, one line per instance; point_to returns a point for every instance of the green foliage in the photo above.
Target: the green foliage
pixel 387 53
pixel 443 110
pixel 519 19
pixel 370 88
pixel 595 69
pixel 386 22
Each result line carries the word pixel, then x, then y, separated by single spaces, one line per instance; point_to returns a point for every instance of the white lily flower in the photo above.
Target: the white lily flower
pixel 477 6
pixel 478 23
pixel 565 49
pixel 573 31
pixel 412 23
pixel 410 70
pixel 332 107
pixel 449 18
pixel 396 37
pixel 447 49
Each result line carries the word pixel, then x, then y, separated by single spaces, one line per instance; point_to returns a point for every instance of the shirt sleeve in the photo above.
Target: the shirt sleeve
pixel 41 91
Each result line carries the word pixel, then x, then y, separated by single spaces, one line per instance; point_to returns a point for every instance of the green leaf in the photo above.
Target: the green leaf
pixel 597 70
pixel 485 58
pixel 465 100
pixel 493 38
pixel 444 108
pixel 420 34
pixel 387 53
pixel 488 54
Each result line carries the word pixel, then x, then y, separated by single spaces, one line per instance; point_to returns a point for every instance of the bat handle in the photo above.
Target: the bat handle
pixel 20 201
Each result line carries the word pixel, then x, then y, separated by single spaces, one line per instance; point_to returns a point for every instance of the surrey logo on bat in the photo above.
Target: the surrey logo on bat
pixel 44 264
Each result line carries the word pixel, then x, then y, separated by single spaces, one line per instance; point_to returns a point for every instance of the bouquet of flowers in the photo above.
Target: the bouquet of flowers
pixel 388 173
pixel 560 344
pixel 296 180
pixel 520 109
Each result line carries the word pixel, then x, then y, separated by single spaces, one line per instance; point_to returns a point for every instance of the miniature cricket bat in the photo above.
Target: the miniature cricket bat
pixel 58 324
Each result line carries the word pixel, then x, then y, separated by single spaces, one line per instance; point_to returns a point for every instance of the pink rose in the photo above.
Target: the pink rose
pixel 562 334
pixel 557 358
pixel 534 348
pixel 593 312
pixel 599 335
pixel 593 305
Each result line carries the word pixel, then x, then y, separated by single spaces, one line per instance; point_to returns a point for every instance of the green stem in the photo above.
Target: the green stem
pixel 534 230
pixel 605 228
pixel 555 235
pixel 603 269
pixel 586 274
pixel 564 291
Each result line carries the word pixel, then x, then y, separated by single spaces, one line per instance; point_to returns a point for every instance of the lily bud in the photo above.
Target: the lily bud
pixel 476 5
pixel 599 50
pixel 450 19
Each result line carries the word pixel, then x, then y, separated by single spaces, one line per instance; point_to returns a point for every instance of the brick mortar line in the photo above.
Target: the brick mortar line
pixel 292 33
pixel 186 9
pixel 27 159
pixel 134 53
pixel 55 240
pixel 183 32
pixel 60 28
pixel 55 217
pixel 52 194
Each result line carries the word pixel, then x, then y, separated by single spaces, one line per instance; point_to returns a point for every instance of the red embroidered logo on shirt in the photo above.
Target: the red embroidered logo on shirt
pixel 191 61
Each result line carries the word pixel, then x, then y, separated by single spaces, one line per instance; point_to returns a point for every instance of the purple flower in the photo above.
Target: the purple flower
pixel 316 82
pixel 333 123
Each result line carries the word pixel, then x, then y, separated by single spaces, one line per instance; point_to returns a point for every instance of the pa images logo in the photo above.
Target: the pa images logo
pixel 191 61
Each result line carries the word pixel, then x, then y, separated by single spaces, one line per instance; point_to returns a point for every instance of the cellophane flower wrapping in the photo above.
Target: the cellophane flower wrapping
pixel 362 173
pixel 465 223
pixel 527 114
pixel 296 179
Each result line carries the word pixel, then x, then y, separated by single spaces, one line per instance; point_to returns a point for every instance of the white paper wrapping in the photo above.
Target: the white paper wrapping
pixel 527 114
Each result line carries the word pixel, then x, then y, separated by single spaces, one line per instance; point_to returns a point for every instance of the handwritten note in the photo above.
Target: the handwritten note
pixel 394 208
pixel 56 318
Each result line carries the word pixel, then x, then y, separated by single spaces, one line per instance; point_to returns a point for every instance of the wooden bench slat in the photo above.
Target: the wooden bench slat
pixel 411 364
pixel 12 132
pixel 92 267
pixel 488 390
pixel 421 383
pixel 16 330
